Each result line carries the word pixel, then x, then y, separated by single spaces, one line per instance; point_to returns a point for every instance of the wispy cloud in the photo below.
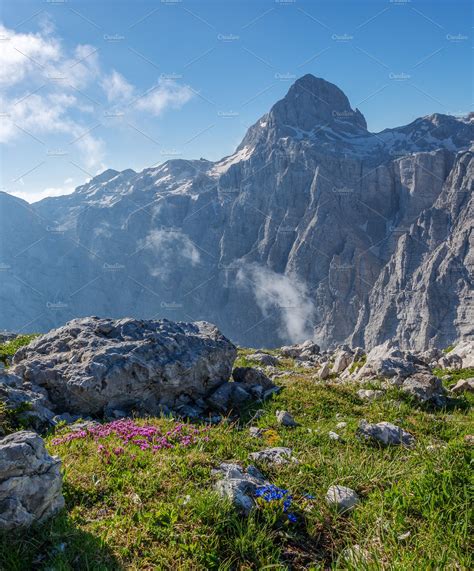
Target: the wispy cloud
pixel 285 296
pixel 44 92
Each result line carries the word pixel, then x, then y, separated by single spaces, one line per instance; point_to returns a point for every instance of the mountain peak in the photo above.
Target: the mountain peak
pixel 312 101
pixel 311 104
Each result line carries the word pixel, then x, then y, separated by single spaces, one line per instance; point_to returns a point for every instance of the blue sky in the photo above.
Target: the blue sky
pixel 114 84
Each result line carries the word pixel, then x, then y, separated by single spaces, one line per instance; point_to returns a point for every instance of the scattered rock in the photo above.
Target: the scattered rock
pixel 30 481
pixel 303 351
pixel 369 394
pixel 264 359
pixel 93 364
pixel 249 377
pixel 285 418
pixel 425 388
pixel 464 350
pixel 256 432
pixel 469 439
pixel 387 361
pixel 333 435
pixel 340 425
pixel 238 485
pixel 344 499
pixel 342 360
pixel 464 386
pixel 324 371
pixel 386 433
pixel 277 455
pixel 228 396
pixel 450 361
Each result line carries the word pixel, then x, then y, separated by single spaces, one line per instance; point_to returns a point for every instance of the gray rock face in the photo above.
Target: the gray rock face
pixel 27 397
pixel 30 481
pixel 385 433
pixel 425 388
pixel 343 498
pixel 93 365
pixel 423 296
pixel 314 228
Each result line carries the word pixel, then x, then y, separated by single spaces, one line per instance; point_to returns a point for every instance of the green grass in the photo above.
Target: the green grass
pixel 455 375
pixel 158 511
pixel 7 350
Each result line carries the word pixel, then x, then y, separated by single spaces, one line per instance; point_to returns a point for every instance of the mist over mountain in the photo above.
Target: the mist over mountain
pixel 314 228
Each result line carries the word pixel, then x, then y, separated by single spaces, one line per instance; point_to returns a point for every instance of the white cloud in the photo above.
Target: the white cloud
pixel 166 94
pixel 67 188
pixel 22 54
pixel 284 295
pixel 168 248
pixel 48 90
pixel 116 87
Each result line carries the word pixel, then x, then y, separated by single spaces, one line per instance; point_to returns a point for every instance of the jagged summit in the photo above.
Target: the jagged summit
pixel 311 101
pixel 311 105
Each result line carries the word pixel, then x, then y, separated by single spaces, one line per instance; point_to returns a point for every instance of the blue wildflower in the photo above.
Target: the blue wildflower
pixel 292 517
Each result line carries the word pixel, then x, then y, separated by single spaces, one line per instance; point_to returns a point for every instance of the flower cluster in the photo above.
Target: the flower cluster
pixel 271 493
pixel 143 436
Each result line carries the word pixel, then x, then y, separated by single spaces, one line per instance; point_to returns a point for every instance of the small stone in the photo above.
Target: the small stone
pixel 343 498
pixel 469 439
pixel 386 433
pixel 333 436
pixel 278 455
pixel 340 425
pixel 256 432
pixel 369 394
pixel 264 359
pixel 404 536
pixel 324 371
pixel 464 386
pixel 285 418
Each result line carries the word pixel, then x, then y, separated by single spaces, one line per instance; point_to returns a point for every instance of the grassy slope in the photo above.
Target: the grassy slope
pixel 158 511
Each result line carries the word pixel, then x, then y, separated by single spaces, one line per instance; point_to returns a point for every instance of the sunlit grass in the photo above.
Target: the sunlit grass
pixel 158 510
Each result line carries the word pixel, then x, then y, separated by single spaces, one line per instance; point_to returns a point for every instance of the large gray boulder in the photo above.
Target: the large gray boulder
pixel 30 481
pixel 465 351
pixel 425 388
pixel 91 366
pixel 389 362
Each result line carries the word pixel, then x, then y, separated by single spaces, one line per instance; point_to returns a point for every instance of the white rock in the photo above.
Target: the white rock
pixel 30 481
pixel 343 498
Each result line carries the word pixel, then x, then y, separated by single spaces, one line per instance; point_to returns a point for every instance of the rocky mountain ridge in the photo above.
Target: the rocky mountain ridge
pixel 313 228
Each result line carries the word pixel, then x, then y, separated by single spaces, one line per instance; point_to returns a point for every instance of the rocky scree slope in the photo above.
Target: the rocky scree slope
pixel 313 228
